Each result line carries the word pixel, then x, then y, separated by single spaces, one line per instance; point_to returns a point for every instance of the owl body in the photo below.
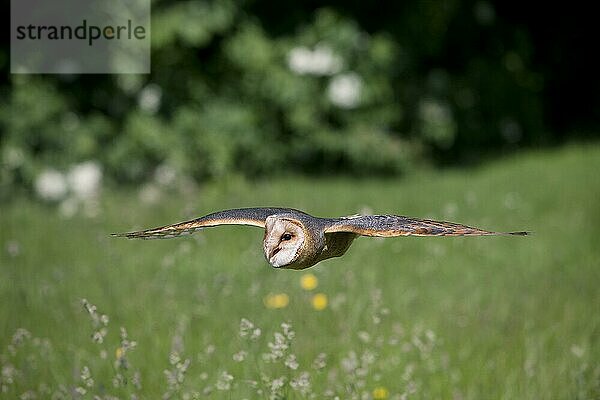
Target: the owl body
pixel 296 240
pixel 308 244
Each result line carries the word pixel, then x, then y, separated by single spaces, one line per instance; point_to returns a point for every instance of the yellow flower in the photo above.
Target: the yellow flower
pixel 119 353
pixel 278 300
pixel 319 301
pixel 380 393
pixel 308 281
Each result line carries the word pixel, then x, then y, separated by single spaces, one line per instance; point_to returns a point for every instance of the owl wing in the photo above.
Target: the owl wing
pixel 396 225
pixel 240 216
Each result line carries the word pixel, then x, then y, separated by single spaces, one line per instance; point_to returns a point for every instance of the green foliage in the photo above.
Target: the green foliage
pixel 235 89
pixel 487 317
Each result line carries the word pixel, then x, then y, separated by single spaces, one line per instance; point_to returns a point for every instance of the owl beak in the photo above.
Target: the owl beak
pixel 275 251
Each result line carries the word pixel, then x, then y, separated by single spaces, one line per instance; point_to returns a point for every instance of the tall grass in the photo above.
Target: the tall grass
pixel 205 316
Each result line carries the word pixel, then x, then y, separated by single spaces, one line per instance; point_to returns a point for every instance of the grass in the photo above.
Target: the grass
pixel 465 318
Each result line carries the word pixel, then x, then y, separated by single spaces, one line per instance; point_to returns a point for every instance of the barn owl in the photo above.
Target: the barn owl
pixel 296 240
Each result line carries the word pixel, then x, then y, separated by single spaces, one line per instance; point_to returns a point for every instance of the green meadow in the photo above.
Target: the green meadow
pixel 422 318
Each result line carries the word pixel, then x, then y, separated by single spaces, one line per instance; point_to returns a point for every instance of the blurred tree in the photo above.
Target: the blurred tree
pixel 260 87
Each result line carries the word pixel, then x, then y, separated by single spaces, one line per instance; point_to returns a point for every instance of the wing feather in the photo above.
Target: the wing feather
pixel 397 225
pixel 241 216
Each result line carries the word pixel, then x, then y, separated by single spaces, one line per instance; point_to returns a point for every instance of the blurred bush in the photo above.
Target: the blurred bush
pixel 260 88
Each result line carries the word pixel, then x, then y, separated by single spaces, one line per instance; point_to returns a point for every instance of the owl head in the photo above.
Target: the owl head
pixel 284 238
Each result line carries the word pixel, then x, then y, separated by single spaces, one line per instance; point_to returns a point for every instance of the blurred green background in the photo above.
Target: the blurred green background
pixel 264 88
pixel 480 112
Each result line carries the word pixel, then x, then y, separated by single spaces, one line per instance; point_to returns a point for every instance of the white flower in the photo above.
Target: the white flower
pixel 240 356
pixel 149 98
pixel 246 327
pixel 320 361
pixel 291 362
pixel 344 90
pixel 85 178
pixel 51 185
pixel 277 384
pixel 350 363
pixel 255 334
pixel 165 174
pixel 278 347
pixel 320 61
pixel 287 331
pixel 364 336
pixel 301 383
pixel 224 381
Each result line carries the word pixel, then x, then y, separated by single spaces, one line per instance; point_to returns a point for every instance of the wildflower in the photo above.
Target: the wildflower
pixel 149 98
pixel 380 393
pixel 13 248
pixel 20 335
pixel 344 90
pixel 301 383
pixel 578 351
pixel 309 281
pixel 350 363
pixel 240 356
pixel 247 329
pixel 320 61
pixel 288 331
pixel 119 380
pixel 137 380
pixel 86 377
pixel 176 375
pixel 99 321
pixel 28 395
pixel 278 347
pixel 319 362
pixel 319 301
pixel 367 357
pixel 279 300
pixel 291 362
pixel 119 353
pixel 85 179
pixel 364 336
pixel 277 384
pixel 165 175
pixel 255 334
pixel 224 381
pixel 51 185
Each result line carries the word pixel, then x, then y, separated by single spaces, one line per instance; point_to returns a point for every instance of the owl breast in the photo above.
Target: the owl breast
pixel 336 244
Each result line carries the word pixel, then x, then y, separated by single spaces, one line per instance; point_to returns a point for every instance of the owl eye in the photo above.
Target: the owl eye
pixel 286 236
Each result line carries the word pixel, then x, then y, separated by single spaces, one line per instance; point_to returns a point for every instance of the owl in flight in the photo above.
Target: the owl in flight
pixel 296 240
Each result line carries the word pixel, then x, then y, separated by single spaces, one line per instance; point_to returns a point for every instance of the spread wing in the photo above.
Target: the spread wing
pixel 240 216
pixel 396 225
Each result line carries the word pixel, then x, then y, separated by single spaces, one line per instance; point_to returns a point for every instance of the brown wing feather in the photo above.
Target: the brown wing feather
pixel 395 225
pixel 240 216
